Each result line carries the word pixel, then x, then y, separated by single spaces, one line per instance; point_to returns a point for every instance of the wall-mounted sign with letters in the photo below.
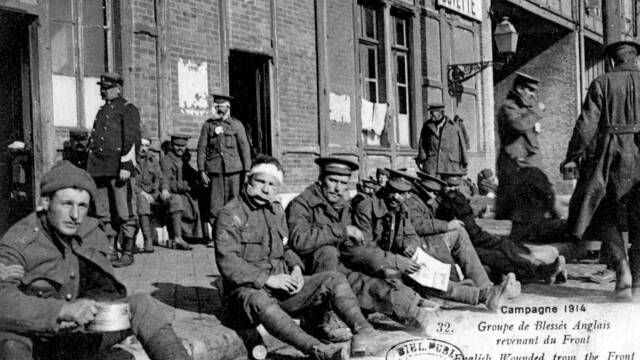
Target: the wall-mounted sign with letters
pixel 470 8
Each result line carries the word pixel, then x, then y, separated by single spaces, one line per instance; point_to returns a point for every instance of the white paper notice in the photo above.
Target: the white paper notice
pixel 432 273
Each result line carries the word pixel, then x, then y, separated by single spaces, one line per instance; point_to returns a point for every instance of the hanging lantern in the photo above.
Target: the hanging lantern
pixel 506 37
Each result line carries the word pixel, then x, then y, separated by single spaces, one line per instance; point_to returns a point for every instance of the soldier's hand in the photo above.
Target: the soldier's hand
pixel 124 175
pixel 407 265
pixel 147 196
pixel 80 311
pixel 297 276
pixel 204 178
pixel 408 252
pixel 282 282
pixel 355 235
pixel 455 224
pixel 165 194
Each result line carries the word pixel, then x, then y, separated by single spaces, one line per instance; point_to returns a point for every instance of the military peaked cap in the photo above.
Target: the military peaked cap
pixel 431 182
pixel 110 79
pixel 336 165
pixel 525 79
pixel 401 180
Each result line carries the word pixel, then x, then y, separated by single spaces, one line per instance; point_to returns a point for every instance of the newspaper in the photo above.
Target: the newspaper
pixel 433 273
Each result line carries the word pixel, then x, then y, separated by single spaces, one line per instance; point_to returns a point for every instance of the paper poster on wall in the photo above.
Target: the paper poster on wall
pixel 193 87
pixel 340 108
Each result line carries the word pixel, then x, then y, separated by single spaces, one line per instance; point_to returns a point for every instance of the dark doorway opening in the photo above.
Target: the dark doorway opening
pixel 16 165
pixel 249 86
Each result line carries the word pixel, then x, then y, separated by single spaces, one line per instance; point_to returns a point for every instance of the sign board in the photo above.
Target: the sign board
pixel 469 8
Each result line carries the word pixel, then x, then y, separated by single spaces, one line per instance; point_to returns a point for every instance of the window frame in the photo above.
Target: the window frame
pixel 78 24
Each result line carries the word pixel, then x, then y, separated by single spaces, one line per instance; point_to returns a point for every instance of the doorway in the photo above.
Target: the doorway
pixel 16 165
pixel 250 88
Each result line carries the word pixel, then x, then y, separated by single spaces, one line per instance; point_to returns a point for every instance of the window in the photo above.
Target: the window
pixel 401 56
pixel 372 75
pixel 83 43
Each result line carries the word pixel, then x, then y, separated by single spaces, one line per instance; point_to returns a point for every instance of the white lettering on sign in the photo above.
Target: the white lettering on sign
pixel 470 8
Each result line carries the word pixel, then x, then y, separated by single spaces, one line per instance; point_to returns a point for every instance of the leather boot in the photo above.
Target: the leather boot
pixel 279 324
pixel 494 295
pixel 330 352
pixel 551 273
pixel 177 242
pixel 127 253
pixel 371 342
pixel 147 233
pixel 165 345
pixel 326 326
pixel 623 280
pixel 112 254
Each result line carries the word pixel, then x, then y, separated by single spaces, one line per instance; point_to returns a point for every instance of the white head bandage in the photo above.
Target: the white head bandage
pixel 268 169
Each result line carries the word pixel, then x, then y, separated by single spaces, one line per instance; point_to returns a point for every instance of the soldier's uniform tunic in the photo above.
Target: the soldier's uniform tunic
pixel 224 153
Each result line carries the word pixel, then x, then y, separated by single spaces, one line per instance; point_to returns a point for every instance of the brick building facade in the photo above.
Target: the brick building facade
pixel 310 78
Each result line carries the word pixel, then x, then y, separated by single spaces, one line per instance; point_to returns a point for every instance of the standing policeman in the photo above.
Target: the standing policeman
pixel 224 154
pixel 111 162
pixel 605 144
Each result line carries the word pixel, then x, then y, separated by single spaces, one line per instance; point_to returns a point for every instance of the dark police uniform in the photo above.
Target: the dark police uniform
pixel 39 272
pixel 224 153
pixel 114 141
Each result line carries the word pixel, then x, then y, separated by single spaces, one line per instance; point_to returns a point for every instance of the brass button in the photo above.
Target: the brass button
pixel 72 275
pixel 40 293
pixel 68 297
pixel 36 229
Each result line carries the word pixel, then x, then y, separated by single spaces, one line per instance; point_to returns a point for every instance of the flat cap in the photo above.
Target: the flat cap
pixel 431 182
pixel 110 79
pixel 66 175
pixel 614 46
pixel 336 165
pixel 180 139
pixel 369 183
pixel 220 98
pixel 526 79
pixel 435 106
pixel 453 180
pixel 401 180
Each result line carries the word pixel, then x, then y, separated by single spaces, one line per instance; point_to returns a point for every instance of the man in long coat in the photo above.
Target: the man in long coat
pixel 605 144
pixel 443 144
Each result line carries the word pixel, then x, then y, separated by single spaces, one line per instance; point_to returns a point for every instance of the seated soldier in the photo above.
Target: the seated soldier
pixel 502 255
pixel 181 203
pixel 382 176
pixel 150 187
pixel 366 188
pixel 319 222
pixel 389 240
pixel 263 277
pixel 53 273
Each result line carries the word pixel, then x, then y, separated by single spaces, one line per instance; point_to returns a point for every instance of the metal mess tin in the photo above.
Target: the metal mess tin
pixel 111 317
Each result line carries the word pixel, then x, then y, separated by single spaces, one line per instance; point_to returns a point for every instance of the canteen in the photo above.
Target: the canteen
pixel 111 317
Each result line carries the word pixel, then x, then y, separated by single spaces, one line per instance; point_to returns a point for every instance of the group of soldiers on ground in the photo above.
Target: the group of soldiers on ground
pixel 324 259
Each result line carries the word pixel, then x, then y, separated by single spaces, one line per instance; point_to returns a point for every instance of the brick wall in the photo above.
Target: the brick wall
pixel 297 83
pixel 250 25
pixel 556 68
pixel 341 66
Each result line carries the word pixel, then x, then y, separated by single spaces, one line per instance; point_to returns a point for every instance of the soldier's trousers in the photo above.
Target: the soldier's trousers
pixel 322 290
pixel 455 247
pixel 503 255
pixel 388 297
pixel 147 323
pixel 115 206
pixel 222 188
